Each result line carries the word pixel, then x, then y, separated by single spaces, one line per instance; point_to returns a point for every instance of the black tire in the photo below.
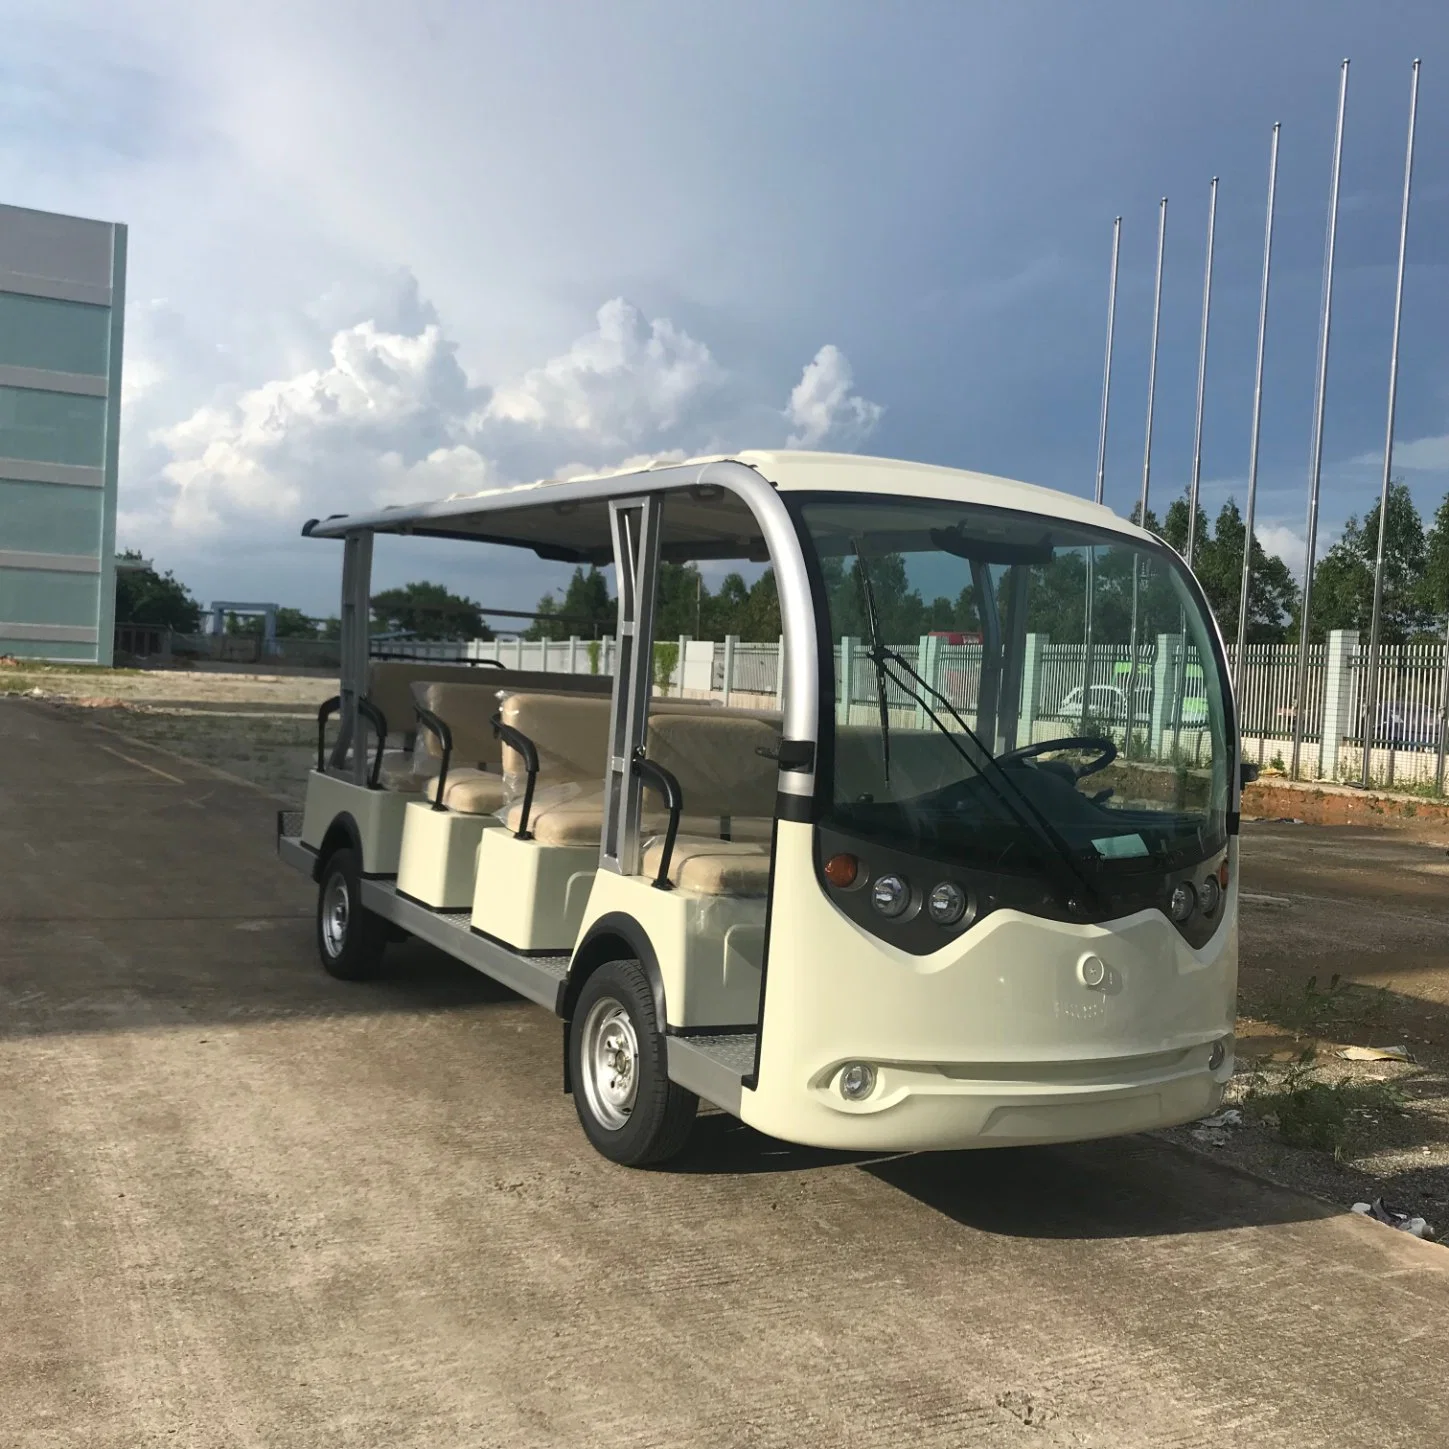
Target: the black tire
pixel 350 941
pixel 656 1122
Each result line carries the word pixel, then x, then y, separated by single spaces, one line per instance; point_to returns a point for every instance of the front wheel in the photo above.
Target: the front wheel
pixel 628 1107
pixel 350 939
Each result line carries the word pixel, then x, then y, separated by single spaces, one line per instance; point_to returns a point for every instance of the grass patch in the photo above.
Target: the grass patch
pixel 1309 1011
pixel 1336 1118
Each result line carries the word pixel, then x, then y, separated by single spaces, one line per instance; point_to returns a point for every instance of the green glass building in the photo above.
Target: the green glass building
pixel 62 300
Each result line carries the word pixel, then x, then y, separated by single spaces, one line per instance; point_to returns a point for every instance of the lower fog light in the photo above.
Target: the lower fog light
pixel 1215 1057
pixel 857 1081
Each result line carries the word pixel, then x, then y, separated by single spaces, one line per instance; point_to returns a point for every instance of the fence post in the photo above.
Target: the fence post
pixel 573 653
pixel 847 678
pixel 1164 687
pixel 926 667
pixel 780 674
pixel 1031 672
pixel 728 682
pixel 1337 699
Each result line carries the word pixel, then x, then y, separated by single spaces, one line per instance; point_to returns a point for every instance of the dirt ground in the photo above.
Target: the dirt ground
pixel 1344 941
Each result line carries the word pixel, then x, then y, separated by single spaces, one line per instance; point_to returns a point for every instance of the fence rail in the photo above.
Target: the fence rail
pixel 1166 715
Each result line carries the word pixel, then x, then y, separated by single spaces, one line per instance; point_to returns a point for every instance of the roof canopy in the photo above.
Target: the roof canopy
pixel 706 517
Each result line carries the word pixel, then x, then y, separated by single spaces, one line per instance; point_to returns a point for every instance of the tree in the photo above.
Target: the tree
pixel 1343 583
pixel 1434 588
pixel 1272 594
pixel 291 624
pixel 427 611
pixel 588 609
pixel 144 596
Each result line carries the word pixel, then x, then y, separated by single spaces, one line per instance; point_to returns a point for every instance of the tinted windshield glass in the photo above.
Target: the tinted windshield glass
pixel 1010 687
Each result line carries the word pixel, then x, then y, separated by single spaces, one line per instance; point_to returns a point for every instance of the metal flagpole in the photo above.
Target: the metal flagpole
pixel 1190 552
pixel 1146 467
pixel 1315 466
pixel 1101 462
pixel 1371 684
pixel 1202 347
pixel 1238 659
pixel 1107 365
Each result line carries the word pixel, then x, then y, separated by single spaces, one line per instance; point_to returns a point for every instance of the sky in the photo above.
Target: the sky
pixel 383 253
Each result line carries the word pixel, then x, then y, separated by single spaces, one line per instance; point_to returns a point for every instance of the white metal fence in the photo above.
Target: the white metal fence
pixel 1167 687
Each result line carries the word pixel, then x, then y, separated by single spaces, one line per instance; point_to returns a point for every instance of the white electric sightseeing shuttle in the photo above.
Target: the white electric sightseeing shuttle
pixel 917 906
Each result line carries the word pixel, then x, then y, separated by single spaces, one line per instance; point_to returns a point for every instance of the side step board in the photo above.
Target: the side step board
pixel 714 1066
pixel 711 1065
pixel 539 978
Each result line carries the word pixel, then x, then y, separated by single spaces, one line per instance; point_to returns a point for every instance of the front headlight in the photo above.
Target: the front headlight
pixel 946 904
pixel 890 895
pixel 1181 902
pixel 1210 894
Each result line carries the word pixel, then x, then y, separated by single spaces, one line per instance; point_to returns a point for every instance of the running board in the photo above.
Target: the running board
pixel 540 978
pixel 714 1067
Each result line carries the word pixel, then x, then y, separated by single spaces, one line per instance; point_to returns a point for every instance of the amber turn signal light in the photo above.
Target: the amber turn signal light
pixel 841 870
pixel 1223 875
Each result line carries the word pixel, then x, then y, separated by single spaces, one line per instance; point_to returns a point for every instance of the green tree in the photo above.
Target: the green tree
pixel 1343 583
pixel 587 608
pixel 144 596
pixel 1434 587
pixel 1272 594
pixel 427 611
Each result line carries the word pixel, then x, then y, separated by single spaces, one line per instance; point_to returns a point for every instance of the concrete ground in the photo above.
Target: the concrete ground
pixel 244 1204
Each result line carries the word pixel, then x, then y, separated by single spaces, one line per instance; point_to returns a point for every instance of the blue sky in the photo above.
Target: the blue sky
pixel 381 252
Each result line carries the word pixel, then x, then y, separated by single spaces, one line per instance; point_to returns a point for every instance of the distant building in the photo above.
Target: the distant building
pixel 62 299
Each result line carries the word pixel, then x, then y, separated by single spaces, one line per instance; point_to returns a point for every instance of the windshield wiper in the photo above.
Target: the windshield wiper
pixel 877 653
pixel 1044 827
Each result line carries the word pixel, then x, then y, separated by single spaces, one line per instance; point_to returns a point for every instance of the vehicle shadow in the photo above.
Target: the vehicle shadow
pixel 1129 1187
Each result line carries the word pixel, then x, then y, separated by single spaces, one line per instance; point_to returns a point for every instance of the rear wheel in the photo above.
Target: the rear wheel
pixel 350 939
pixel 628 1107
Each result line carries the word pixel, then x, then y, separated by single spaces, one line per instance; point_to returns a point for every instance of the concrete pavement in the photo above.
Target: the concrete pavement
pixel 244 1204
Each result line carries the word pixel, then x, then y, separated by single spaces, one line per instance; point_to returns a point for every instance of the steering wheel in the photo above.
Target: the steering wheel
pixel 1106 753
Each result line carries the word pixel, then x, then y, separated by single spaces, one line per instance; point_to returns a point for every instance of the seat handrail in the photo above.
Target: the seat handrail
pixel 371 714
pixel 517 740
pixel 667 785
pixel 439 727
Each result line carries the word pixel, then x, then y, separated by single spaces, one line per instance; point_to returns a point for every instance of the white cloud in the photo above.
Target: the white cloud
pixel 381 421
pixel 1426 455
pixel 622 382
pixel 824 410
pixel 1287 543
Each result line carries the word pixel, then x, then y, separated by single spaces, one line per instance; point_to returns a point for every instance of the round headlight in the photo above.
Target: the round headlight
pixel 890 895
pixel 946 904
pixel 1181 902
pixel 1209 894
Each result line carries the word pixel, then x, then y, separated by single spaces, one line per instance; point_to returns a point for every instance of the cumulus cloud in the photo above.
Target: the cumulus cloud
pixel 1287 543
pixel 624 381
pixel 824 410
pixel 382 420
pixel 380 411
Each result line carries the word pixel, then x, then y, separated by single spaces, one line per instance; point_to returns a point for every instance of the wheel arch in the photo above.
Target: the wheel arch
pixel 613 937
pixel 342 832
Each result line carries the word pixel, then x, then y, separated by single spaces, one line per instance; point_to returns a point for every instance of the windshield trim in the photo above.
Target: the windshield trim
pixel 796 501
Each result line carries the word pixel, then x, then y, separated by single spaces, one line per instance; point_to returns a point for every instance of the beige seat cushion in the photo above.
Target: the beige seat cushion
pixel 473 792
pixel 397 773
pixel 570 822
pixel 714 867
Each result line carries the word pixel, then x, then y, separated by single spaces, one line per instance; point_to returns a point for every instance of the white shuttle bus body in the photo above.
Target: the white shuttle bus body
pixel 916 907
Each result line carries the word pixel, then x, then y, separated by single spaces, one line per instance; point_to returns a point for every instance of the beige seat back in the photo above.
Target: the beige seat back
pixel 390 684
pixel 715 756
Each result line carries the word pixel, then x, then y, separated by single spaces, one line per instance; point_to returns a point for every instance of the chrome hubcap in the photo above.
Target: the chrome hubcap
pixel 335 907
pixel 610 1062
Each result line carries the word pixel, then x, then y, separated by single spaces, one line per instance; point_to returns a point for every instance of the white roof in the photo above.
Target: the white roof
pixel 482 514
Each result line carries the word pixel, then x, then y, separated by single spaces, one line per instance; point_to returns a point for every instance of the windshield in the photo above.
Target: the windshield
pixel 1016 691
